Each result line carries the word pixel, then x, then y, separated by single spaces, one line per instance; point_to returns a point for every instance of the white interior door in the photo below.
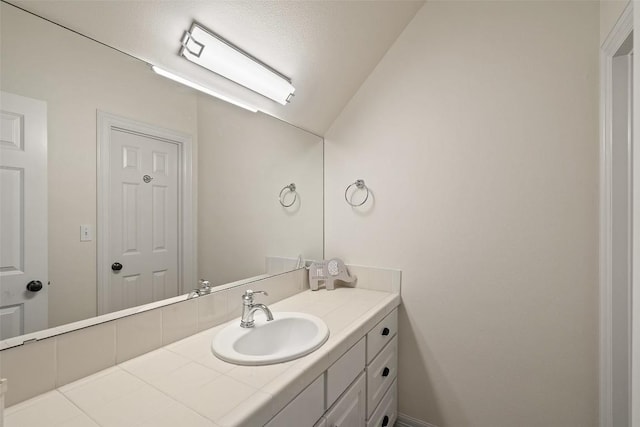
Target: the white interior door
pixel 23 215
pixel 143 219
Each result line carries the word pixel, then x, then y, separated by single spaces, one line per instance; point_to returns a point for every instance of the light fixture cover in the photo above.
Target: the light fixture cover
pixel 196 86
pixel 212 52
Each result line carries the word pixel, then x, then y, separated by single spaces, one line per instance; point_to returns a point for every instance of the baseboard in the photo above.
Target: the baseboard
pixel 407 421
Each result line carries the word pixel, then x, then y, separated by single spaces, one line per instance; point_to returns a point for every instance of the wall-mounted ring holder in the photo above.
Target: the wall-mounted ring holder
pixel 292 189
pixel 359 185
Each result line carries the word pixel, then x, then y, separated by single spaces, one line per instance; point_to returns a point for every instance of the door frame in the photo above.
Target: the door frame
pixel 106 122
pixel 612 44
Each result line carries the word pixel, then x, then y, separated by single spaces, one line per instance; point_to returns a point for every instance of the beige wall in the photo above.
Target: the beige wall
pixel 478 136
pixel 76 77
pixel 245 160
pixel 610 11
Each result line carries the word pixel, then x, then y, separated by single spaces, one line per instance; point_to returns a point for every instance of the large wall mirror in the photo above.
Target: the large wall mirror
pixel 120 188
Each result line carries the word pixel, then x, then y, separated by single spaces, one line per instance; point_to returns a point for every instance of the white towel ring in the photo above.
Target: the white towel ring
pixel 292 189
pixel 360 185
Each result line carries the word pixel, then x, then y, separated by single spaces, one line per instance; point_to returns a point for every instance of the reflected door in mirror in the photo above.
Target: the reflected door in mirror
pixel 23 215
pixel 143 220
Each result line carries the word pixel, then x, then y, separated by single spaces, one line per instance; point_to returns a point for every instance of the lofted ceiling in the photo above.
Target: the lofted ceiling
pixel 327 48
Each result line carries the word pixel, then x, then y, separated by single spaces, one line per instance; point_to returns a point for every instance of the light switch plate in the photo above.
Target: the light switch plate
pixel 86 233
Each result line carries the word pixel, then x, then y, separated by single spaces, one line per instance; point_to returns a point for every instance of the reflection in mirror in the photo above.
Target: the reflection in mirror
pixel 184 187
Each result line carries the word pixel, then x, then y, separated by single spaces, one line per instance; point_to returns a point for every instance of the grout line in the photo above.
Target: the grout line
pixel 79 408
pixel 174 399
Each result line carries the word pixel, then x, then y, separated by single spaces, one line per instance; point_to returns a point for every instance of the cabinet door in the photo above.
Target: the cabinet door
pixel 349 410
pixel 305 409
pixel 344 371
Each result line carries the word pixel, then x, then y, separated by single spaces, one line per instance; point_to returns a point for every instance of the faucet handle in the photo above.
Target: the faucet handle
pixel 204 284
pixel 248 295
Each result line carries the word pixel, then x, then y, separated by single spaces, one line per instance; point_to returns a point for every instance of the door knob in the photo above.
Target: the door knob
pixel 116 266
pixel 385 371
pixel 385 421
pixel 34 286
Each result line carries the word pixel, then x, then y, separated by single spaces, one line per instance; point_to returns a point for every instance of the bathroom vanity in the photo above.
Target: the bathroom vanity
pixel 348 381
pixel 359 389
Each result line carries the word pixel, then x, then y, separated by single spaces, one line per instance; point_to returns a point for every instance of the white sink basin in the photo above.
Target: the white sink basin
pixel 287 337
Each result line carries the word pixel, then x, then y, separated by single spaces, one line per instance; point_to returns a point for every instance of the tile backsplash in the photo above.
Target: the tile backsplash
pixel 139 334
pixel 376 279
pixel 43 365
pixel 30 370
pixel 83 352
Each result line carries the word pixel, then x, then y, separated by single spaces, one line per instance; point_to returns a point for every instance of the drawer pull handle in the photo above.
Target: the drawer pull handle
pixel 385 331
pixel 385 421
pixel 385 372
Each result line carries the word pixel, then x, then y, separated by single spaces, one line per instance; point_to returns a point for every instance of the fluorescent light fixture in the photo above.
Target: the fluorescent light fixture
pixel 196 86
pixel 212 52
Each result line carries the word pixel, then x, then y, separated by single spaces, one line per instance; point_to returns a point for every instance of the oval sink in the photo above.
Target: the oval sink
pixel 287 337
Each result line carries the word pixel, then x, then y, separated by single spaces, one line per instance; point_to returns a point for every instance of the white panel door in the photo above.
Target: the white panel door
pixel 23 215
pixel 144 220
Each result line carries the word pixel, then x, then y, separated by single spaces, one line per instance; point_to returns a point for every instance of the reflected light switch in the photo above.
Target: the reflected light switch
pixel 86 233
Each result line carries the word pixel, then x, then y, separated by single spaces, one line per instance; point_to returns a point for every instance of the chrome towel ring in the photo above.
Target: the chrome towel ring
pixel 292 189
pixel 360 185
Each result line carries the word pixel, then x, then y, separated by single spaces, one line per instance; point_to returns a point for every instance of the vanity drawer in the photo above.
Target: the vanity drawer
pixel 305 409
pixel 381 334
pixel 344 371
pixel 380 374
pixel 387 411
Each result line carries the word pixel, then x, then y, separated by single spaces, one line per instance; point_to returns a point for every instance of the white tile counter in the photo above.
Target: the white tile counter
pixel 185 384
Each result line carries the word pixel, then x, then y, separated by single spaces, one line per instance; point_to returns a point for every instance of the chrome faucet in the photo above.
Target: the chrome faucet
pixel 249 308
pixel 204 289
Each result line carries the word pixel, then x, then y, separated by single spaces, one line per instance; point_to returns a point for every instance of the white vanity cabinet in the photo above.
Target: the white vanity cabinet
pixel 358 390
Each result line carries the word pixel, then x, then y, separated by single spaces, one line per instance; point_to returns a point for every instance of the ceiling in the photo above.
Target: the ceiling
pixel 327 48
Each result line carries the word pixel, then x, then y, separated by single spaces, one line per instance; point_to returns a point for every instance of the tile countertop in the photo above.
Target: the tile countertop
pixel 185 384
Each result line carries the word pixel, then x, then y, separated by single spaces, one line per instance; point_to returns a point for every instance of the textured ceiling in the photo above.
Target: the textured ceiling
pixel 327 48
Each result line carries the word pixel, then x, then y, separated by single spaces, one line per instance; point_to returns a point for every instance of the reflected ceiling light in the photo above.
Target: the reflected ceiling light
pixel 214 53
pixel 196 86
